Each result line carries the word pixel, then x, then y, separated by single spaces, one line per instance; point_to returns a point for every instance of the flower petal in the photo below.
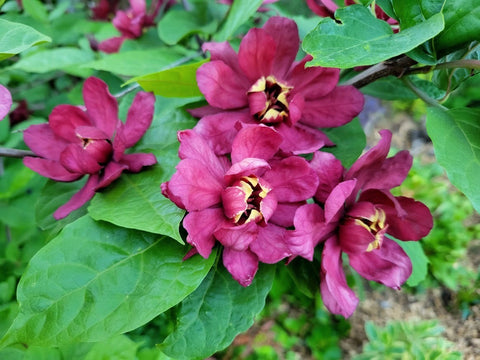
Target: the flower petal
pixel 77 160
pixel 259 142
pixel 223 51
pixel 270 246
pixel 51 169
pixel 301 139
pixel 101 106
pixel 64 119
pixel 78 199
pixel 135 162
pixel 329 171
pixel 243 265
pixel 392 172
pixel 139 118
pixel 200 226
pixel 256 54
pixel 284 213
pixel 112 172
pixel 43 142
pixel 112 45
pixel 237 237
pixel 5 101
pixel 222 87
pixel 246 167
pixel 336 295
pixel 389 264
pixel 338 199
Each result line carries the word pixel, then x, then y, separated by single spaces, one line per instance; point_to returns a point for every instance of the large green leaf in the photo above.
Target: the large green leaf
pixel 138 62
pixel 179 81
pixel 358 38
pixel 177 24
pixel 413 12
pixel 96 280
pixel 67 59
pixel 347 151
pixel 135 201
pixel 392 88
pixel 35 9
pixel 462 24
pixel 239 12
pixel 416 254
pixel 456 139
pixel 16 37
pixel 215 313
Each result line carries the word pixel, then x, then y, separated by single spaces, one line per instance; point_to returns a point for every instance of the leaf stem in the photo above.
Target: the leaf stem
pixel 422 95
pixel 15 153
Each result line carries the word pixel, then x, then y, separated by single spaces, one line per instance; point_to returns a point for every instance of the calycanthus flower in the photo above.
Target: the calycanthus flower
pixel 263 84
pixel 5 101
pixel 357 215
pixel 92 141
pixel 246 204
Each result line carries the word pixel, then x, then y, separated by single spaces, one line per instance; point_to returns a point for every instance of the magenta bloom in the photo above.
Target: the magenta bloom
pixel 77 142
pixel 263 84
pixel 358 212
pixel 246 204
pixel 132 22
pixel 5 101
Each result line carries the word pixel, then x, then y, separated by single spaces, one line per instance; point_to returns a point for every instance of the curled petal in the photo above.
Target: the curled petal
pixel 139 118
pixel 78 199
pixel 43 142
pixel 101 106
pixel 200 226
pixel 338 199
pixel 64 119
pixel 389 264
pixel 51 169
pixel 353 237
pixel 112 171
pixel 221 86
pixel 5 101
pixel 77 160
pixel 243 265
pixel 392 172
pixel 329 171
pixel 259 142
pixel 336 295
pixel 135 162
pixel 270 246
pixel 246 167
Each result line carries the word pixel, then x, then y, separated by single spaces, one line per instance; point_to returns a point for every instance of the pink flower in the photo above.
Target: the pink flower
pixel 263 84
pixel 5 101
pixel 358 212
pixel 246 204
pixel 132 22
pixel 103 9
pixel 92 141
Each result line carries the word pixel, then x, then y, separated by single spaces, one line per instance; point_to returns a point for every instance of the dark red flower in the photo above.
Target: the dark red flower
pixel 90 141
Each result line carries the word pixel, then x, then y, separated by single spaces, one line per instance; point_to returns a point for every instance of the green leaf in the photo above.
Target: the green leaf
pixel 139 62
pixel 179 81
pixel 392 88
pixel 416 254
pixel 456 140
pixel 347 151
pixel 67 59
pixel 413 12
pixel 361 39
pixel 95 280
pixel 240 11
pixel 36 10
pixel 215 313
pixel 118 347
pixel 462 24
pixel 16 37
pixel 177 24
pixel 136 202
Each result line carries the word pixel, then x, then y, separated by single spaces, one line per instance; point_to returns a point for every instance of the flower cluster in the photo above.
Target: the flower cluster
pixel 244 184
pixel 90 141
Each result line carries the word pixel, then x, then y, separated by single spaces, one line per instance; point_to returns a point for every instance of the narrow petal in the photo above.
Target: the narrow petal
pixel 270 246
pixel 43 142
pixel 200 226
pixel 222 87
pixel 135 162
pixel 259 142
pixel 195 186
pixel 388 265
pixel 111 172
pixel 336 295
pixel 337 108
pixel 64 119
pixel 292 179
pixel 301 139
pixel 236 237
pixel 5 101
pixel 391 174
pixel 219 129
pixel 101 106
pixel 76 160
pixel 338 199
pixel 256 54
pixel 285 33
pixel 78 199
pixel 112 45
pixel 329 171
pixel 51 169
pixel 139 117
pixel 243 265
